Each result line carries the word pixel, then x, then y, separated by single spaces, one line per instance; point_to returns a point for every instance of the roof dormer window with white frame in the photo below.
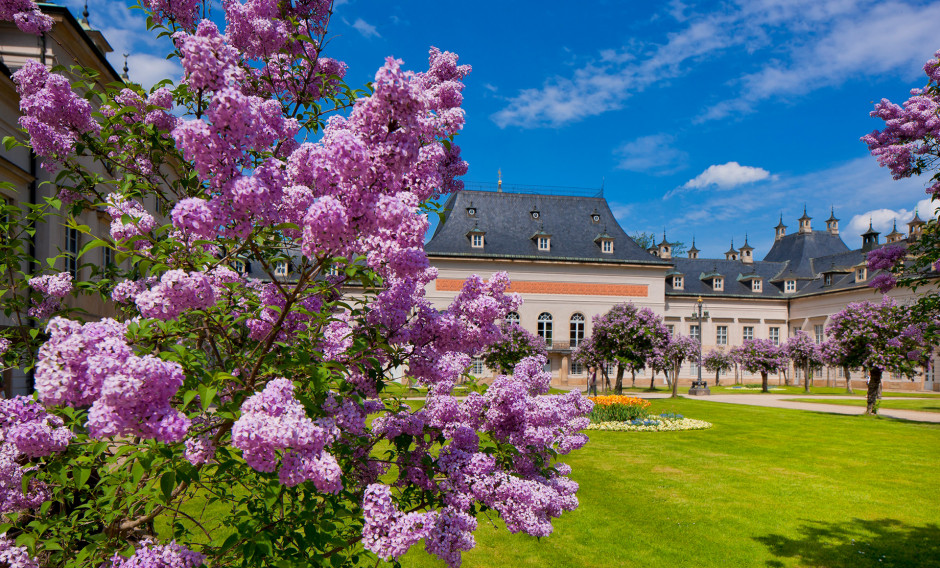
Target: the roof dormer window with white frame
pixel 718 284
pixel 678 282
pixel 281 269
pixel 545 243
pixel 476 240
pixel 757 285
pixel 861 274
pixel 789 286
pixel 607 246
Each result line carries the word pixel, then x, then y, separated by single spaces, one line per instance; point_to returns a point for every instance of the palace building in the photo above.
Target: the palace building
pixel 571 260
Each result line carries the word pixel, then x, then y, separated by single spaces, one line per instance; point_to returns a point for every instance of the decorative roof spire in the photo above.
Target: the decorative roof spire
pixel 84 19
pixel 124 75
pixel 499 184
pixel 832 214
pixel 693 249
pixel 805 217
pixel 746 246
pixel 780 225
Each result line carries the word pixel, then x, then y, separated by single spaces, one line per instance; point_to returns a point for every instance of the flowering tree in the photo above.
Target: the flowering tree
pixel 803 351
pixel 909 145
pixel 223 420
pixel 717 361
pixel 877 337
pixel 679 349
pixel 515 345
pixel 831 354
pixel 761 356
pixel 628 335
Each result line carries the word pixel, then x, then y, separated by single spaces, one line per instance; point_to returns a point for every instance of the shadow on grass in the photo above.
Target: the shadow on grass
pixel 859 543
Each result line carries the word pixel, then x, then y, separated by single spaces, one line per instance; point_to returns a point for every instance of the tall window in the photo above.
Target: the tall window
pixel 544 243
pixel 819 333
pixel 476 366
pixel 775 335
pixel 695 333
pixel 827 280
pixel 721 335
pixel 72 241
pixel 671 328
pixel 512 318
pixel 476 240
pixel 607 246
pixel 748 332
pixel 576 368
pixel 718 284
pixel 577 330
pixel 107 257
pixel 677 282
pixel 280 268
pixel 545 327
pixel 756 285
pixel 860 274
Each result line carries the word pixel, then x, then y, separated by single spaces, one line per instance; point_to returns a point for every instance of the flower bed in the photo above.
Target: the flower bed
pixel 666 422
pixel 618 408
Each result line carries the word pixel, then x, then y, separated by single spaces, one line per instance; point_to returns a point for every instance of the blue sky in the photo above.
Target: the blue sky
pixel 706 118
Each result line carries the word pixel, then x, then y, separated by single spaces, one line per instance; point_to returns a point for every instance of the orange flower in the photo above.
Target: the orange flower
pixel 616 400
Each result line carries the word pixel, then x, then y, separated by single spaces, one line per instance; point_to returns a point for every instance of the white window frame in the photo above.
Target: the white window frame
pixel 718 284
pixel 861 274
pixel 607 246
pixel 678 282
pixel 240 266
pixel 476 366
pixel 544 327
pixel 512 318
pixel 694 332
pixel 73 241
pixel 721 335
pixel 757 285
pixel 827 280
pixel 576 327
pixel 545 243
pixel 280 268
pixel 476 240
pixel 789 286
pixel 819 331
pixel 747 332
pixel 774 335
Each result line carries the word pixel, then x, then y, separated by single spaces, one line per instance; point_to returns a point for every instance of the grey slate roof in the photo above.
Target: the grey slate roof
pixel 800 248
pixel 731 270
pixel 508 224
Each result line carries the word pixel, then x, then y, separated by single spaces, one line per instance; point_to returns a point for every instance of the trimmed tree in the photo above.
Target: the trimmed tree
pixel 803 351
pixel 831 354
pixel 629 336
pixel 515 345
pixel 679 349
pixel 761 356
pixel 878 337
pixel 717 361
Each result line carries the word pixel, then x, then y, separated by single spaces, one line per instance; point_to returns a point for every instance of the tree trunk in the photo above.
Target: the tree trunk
pixel 806 376
pixel 786 377
pixel 764 387
pixel 652 379
pixel 618 389
pixel 675 381
pixel 633 376
pixel 874 385
pixel 848 380
pixel 716 377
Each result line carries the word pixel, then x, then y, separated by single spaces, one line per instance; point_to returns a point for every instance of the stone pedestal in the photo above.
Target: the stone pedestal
pixel 699 389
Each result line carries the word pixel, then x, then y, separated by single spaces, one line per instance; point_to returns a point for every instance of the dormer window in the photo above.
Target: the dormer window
pixel 827 280
pixel 757 285
pixel 471 211
pixel 607 246
pixel 596 218
pixel 861 274
pixel 718 284
pixel 280 268
pixel 545 243
pixel 789 286
pixel 677 282
pixel 535 214
pixel 476 240
pixel 239 266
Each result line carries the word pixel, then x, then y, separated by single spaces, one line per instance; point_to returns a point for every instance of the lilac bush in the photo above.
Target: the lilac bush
pixel 265 398
pixel 879 338
pixel 718 361
pixel 761 356
pixel 805 355
pixel 516 344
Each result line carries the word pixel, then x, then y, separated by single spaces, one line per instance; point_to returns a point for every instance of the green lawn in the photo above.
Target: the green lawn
pixel 926 405
pixel 764 487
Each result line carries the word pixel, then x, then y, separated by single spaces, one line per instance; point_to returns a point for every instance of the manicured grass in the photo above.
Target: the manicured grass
pixel 751 388
pixel 926 405
pixel 763 487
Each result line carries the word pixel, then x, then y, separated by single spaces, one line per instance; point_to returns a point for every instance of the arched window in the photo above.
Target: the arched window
pixel 512 318
pixel 545 327
pixel 577 329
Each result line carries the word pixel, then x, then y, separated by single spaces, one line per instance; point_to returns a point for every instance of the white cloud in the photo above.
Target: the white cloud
pixel 838 40
pixel 148 69
pixel 882 220
pixel 724 176
pixel 652 154
pixel 365 28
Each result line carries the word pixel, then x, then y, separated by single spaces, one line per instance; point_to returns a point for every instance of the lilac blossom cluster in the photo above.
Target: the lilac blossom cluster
pixel 139 222
pixel 27 432
pixel 13 556
pixel 177 292
pixel 802 350
pixel 92 365
pixel 273 305
pixel 388 532
pixel 911 132
pixel 760 356
pixel 273 422
pixel 152 555
pixel 882 336
pixel 26 15
pixel 53 115
pixel 885 259
pixel 53 287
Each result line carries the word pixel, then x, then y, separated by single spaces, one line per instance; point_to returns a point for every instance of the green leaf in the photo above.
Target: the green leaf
pixel 168 484
pixel 81 476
